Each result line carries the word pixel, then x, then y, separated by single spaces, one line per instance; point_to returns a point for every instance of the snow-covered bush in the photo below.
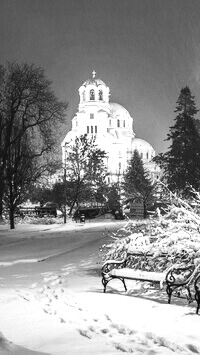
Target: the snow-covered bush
pixel 170 238
pixel 39 220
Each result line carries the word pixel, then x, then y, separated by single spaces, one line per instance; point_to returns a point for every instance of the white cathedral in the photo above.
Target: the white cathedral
pixel 112 126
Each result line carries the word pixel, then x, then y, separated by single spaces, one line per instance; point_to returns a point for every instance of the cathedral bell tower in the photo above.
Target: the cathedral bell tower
pixel 93 91
pixel 93 109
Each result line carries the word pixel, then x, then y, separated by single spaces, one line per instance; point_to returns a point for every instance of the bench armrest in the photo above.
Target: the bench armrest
pixel 179 275
pixel 197 282
pixel 113 264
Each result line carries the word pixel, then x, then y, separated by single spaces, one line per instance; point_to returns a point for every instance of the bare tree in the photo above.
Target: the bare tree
pixel 30 114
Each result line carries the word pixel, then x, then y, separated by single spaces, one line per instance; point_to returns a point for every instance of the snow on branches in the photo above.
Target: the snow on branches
pixel 169 238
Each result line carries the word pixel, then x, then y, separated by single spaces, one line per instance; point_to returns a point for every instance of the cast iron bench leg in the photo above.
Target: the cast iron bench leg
pixel 169 293
pixel 197 298
pixel 197 293
pixel 104 282
pixel 124 284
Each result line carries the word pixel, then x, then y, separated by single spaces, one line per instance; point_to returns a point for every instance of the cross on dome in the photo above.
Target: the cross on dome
pixel 93 80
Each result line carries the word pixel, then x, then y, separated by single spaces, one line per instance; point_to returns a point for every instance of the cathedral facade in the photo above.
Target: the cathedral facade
pixel 112 126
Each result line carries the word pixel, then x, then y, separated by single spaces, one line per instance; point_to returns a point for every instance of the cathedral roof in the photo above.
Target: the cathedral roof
pixel 118 110
pixel 94 80
pixel 141 144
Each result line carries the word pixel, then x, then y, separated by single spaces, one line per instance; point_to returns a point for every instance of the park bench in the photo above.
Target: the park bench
pixel 179 280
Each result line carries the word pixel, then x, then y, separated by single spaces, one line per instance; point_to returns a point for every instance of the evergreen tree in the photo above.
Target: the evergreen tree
pixel 137 183
pixel 113 196
pixel 181 163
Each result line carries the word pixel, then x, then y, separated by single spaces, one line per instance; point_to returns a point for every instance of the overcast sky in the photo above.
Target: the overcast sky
pixel 144 50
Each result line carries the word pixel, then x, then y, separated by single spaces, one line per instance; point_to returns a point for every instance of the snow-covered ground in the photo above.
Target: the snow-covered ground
pixel 61 309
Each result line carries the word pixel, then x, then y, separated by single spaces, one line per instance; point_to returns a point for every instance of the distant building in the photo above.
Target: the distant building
pixel 112 126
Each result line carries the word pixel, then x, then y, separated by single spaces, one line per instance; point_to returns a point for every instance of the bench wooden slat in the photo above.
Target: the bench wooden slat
pixel 138 275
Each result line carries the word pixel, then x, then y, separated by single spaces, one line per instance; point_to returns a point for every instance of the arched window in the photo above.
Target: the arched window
pixel 95 129
pixel 118 123
pixel 147 155
pixel 100 95
pixel 83 95
pixel 91 129
pixel 88 130
pixel 92 96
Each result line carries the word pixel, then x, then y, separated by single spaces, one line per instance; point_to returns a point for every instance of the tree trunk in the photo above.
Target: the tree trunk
pixel 65 215
pixel 11 208
pixel 73 203
pixel 145 209
pixel 1 208
pixel 1 195
pixel 12 221
pixel 72 206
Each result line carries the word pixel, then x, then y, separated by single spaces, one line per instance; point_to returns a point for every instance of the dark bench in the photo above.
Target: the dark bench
pixel 178 280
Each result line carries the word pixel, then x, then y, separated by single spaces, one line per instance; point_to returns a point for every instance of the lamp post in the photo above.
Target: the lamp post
pixel 65 195
pixel 1 190
pixel 65 185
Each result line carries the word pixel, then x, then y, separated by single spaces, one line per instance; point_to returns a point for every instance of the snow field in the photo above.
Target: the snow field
pixel 127 329
pixel 49 317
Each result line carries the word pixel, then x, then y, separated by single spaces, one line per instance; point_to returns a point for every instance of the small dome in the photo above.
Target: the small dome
pixel 142 145
pixel 118 110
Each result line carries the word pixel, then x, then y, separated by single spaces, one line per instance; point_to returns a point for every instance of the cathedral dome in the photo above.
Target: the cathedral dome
pixel 141 143
pixel 118 110
pixel 143 147
pixel 92 81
